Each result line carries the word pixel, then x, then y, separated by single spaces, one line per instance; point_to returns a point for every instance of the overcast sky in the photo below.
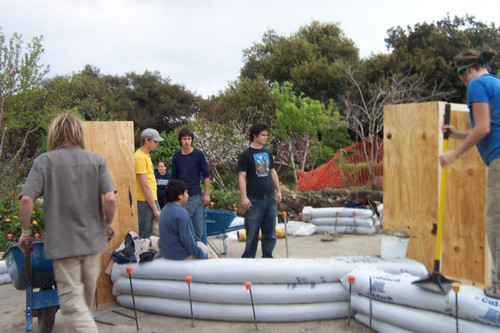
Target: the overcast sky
pixel 200 43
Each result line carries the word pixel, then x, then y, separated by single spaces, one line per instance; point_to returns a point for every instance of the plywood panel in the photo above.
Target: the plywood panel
pixel 412 144
pixel 411 169
pixel 464 241
pixel 115 142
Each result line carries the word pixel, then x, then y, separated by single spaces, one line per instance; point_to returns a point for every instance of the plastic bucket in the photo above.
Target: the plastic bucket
pixel 394 244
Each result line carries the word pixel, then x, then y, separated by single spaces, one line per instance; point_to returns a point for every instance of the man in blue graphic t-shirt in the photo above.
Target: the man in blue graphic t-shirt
pixel 260 192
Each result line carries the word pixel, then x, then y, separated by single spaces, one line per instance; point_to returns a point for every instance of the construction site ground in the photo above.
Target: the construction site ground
pixel 12 318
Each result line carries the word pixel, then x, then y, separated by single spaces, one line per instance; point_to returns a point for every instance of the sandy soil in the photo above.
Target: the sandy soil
pixel 13 301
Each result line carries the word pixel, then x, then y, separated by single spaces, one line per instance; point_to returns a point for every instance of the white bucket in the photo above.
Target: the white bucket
pixel 394 244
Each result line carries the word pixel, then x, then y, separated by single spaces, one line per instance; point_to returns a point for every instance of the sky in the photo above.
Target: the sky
pixel 199 43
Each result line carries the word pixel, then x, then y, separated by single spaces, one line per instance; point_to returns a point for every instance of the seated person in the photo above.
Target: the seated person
pixel 176 229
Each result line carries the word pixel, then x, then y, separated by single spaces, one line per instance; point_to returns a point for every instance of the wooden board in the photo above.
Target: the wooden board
pixel 464 239
pixel 412 144
pixel 115 142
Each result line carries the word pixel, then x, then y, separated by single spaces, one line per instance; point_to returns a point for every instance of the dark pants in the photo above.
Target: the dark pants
pixel 262 215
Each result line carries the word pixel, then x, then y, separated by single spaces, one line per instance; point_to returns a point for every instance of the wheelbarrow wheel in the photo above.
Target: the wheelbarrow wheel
pixel 46 319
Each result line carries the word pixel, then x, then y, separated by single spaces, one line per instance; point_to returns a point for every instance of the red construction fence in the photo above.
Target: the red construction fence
pixel 348 169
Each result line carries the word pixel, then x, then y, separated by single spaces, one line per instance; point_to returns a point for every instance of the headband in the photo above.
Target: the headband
pixel 461 68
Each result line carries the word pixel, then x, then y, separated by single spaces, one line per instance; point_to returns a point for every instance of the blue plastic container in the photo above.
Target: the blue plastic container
pixel 218 221
pixel 41 268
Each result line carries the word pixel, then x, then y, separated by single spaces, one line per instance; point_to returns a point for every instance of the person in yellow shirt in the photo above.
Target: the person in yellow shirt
pixel 148 209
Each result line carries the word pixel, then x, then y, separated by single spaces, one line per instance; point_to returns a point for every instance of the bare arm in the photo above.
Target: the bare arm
pixel 25 242
pixel 26 211
pixel 109 204
pixel 245 202
pixel 206 197
pixel 481 112
pixel 276 183
pixel 148 194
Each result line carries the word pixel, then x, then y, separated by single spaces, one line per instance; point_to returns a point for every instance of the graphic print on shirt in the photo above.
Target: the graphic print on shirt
pixel 162 182
pixel 261 164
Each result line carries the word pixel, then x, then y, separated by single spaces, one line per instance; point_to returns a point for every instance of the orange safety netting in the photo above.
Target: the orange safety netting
pixel 347 169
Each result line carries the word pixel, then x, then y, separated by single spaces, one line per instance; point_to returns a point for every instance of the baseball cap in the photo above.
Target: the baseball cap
pixel 151 133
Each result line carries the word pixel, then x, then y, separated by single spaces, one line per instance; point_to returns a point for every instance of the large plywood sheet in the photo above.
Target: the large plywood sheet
pixel 410 164
pixel 115 142
pixel 464 240
pixel 412 144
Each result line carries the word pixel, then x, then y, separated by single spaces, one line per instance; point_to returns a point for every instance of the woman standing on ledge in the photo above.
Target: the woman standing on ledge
pixel 483 100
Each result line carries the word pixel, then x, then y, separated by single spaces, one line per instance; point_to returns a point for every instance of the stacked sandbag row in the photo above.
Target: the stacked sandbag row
pixel 397 305
pixel 342 219
pixel 284 290
pixel 4 273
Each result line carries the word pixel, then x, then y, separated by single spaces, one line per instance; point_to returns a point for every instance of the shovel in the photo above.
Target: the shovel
pixel 436 282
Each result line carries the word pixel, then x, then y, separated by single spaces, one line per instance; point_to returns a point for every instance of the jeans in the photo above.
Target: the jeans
pixel 146 217
pixel 262 215
pixel 198 214
pixel 76 279
pixel 492 214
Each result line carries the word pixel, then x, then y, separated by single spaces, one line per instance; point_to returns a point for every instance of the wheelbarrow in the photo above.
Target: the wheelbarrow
pixel 29 272
pixel 218 223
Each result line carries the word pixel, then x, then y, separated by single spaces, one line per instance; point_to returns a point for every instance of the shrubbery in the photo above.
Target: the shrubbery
pixel 10 221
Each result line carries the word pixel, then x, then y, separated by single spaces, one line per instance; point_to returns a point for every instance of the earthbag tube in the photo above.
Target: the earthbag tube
pixel 399 289
pixel 415 320
pixel 242 234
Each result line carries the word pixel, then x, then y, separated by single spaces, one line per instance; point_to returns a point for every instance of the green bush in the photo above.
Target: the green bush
pixel 10 221
pixel 224 199
pixel 166 148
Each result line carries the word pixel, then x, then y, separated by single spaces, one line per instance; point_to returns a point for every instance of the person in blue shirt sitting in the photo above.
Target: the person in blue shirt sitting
pixel 177 240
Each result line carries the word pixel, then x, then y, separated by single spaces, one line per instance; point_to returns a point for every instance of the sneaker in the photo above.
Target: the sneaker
pixel 492 291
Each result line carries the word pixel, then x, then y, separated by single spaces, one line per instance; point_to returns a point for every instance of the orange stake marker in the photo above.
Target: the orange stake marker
pixel 189 279
pixel 248 285
pixel 456 289
pixel 129 272
pixel 350 279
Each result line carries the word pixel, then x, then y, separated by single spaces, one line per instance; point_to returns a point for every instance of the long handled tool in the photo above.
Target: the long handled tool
pixel 29 288
pixel 436 281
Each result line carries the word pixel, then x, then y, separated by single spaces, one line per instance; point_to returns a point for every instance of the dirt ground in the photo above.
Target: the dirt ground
pixel 13 301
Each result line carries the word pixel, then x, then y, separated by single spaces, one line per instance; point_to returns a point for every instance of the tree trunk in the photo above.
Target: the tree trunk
pixel 290 150
pixel 304 158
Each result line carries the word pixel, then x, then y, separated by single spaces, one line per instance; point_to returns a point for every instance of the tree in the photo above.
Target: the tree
pixel 245 101
pixel 157 103
pixel 306 59
pixel 222 144
pixel 429 48
pixel 19 72
pixel 363 105
pixel 298 121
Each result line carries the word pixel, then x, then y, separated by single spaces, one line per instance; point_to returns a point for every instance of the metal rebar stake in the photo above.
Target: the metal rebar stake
pixel 189 279
pixel 371 290
pixel 350 279
pixel 456 289
pixel 286 234
pixel 129 271
pixel 248 285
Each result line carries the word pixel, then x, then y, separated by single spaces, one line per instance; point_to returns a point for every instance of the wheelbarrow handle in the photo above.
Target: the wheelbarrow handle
pixel 27 266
